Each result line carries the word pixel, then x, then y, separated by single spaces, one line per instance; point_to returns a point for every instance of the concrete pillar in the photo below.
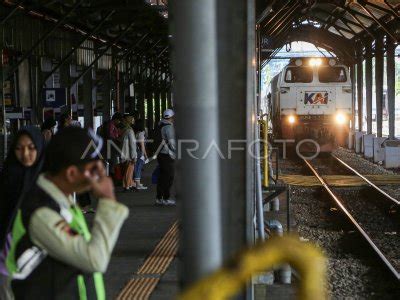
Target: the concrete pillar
pixel 106 93
pixel 196 69
pixel 65 79
pixel 88 99
pixel 149 99
pixel 122 92
pixel 157 104
pixel 379 84
pixel 368 87
pixel 117 93
pixel 36 108
pixel 360 91
pixel 163 97
pixel 169 98
pixel 353 96
pixel 238 115
pixel 140 99
pixel 391 85
pixel 353 104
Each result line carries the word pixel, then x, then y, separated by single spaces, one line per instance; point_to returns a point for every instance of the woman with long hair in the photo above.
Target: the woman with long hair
pixel 129 153
pixel 141 153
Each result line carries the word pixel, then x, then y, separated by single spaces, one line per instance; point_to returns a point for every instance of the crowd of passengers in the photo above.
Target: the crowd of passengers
pixel 47 184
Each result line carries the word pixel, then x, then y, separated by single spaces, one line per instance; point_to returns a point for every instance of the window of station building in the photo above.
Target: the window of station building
pixel 332 74
pixel 299 74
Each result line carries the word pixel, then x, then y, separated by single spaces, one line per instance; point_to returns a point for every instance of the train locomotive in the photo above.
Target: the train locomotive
pixel 311 99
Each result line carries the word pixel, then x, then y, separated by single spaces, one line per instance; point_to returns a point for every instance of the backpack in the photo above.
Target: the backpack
pixel 157 138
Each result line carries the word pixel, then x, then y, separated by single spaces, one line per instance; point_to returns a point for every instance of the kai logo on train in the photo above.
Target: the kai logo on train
pixel 315 98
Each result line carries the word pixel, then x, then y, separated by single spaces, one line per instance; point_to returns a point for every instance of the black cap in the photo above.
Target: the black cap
pixel 72 146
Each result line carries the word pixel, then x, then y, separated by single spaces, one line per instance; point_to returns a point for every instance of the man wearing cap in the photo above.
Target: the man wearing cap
pixel 54 255
pixel 166 159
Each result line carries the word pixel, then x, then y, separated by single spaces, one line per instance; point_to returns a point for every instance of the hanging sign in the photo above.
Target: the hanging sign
pixel 54 97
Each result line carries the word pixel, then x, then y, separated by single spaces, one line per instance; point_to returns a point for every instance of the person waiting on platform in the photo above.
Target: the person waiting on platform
pixel 110 133
pixel 48 128
pixel 141 153
pixel 64 121
pixel 63 259
pixel 166 159
pixel 129 153
pixel 20 170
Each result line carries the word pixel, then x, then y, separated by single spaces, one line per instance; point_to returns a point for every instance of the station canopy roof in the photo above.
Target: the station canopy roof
pixel 339 26
pixel 143 17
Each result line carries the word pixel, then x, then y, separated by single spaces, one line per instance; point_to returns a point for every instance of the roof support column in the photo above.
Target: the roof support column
pixel 157 106
pixel 368 87
pixel 391 85
pixel 353 96
pixel 169 98
pixel 196 95
pixel 149 99
pixel 238 122
pixel 379 84
pixel 139 91
pixel 360 91
pixel 123 90
pixel 117 90
pixel 106 96
pixel 88 99
pixel 65 79
pixel 164 92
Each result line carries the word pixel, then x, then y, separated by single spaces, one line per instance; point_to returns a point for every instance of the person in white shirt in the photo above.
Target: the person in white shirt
pixel 141 153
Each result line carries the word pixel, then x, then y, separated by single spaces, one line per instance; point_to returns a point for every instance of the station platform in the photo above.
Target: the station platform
pixel 142 246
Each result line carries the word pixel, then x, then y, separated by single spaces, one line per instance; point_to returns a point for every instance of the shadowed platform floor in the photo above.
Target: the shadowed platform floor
pixel 144 228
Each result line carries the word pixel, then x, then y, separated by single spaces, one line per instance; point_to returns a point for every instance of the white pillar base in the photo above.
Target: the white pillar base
pixel 379 150
pixel 350 141
pixel 392 154
pixel 358 141
pixel 368 145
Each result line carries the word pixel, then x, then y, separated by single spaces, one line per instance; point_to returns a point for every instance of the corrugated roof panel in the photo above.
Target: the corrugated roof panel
pixel 355 28
pixel 347 34
pixel 376 12
pixel 333 30
pixel 366 22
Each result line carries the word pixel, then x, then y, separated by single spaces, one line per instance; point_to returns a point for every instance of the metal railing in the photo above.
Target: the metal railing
pixel 233 277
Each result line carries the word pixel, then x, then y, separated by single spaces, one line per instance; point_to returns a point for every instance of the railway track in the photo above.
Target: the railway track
pixel 356 210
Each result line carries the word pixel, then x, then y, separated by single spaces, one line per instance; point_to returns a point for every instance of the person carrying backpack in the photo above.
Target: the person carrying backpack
pixel 166 159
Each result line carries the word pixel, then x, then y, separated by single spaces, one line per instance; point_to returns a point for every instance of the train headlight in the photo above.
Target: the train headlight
pixel 291 119
pixel 340 118
pixel 315 62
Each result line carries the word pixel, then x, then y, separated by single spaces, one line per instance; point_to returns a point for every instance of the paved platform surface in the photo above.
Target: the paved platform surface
pixel 144 228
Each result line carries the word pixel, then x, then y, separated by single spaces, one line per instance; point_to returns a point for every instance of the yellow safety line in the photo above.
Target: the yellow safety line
pixel 149 274
pixel 158 262
pixel 155 256
pixel 156 252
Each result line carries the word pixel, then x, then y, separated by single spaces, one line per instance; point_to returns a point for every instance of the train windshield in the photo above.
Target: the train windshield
pixel 332 74
pixel 299 74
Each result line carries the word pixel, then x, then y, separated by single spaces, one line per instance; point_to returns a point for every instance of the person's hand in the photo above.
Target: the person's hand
pixel 101 185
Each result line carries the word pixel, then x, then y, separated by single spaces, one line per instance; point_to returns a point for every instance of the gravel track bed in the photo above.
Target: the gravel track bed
pixel 366 167
pixel 359 163
pixel 372 213
pixel 353 270
pixel 382 227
